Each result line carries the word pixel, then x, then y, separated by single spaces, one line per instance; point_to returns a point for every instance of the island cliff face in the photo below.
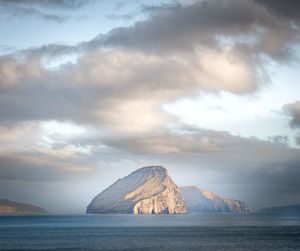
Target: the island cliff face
pixel 203 201
pixel 148 190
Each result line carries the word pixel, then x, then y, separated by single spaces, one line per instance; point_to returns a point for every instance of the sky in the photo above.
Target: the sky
pixel 93 90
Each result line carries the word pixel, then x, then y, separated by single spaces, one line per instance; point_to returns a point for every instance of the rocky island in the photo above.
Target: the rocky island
pixel 8 207
pixel 150 190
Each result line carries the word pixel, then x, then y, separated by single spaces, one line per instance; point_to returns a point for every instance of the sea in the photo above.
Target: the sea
pixel 150 232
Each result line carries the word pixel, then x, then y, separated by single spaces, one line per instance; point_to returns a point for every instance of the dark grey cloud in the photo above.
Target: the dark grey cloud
pixel 298 140
pixel 46 10
pixel 25 12
pixel 164 7
pixel 280 139
pixel 288 9
pixel 68 4
pixel 143 10
pixel 204 23
pixel 293 110
pixel 248 27
pixel 126 16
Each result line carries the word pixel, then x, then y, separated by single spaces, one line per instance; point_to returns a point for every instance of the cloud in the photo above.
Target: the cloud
pixel 41 167
pixel 117 88
pixel 293 110
pixel 68 4
pixel 204 24
pixel 298 140
pixel 248 27
pixel 13 72
pixel 164 142
pixel 38 151
pixel 24 12
pixel 46 10
pixel 280 139
pixel 288 9
pixel 5 49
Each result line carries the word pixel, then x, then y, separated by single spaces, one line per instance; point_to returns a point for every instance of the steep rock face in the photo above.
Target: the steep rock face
pixel 149 190
pixel 12 207
pixel 237 206
pixel 199 200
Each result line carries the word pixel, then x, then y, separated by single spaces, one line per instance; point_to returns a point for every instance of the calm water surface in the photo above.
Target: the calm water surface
pixel 150 232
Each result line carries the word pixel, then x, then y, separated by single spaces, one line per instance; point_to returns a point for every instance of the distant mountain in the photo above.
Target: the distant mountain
pixel 148 190
pixel 285 210
pixel 11 207
pixel 203 201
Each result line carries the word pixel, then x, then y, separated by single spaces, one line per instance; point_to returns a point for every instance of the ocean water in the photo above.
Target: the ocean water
pixel 150 232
